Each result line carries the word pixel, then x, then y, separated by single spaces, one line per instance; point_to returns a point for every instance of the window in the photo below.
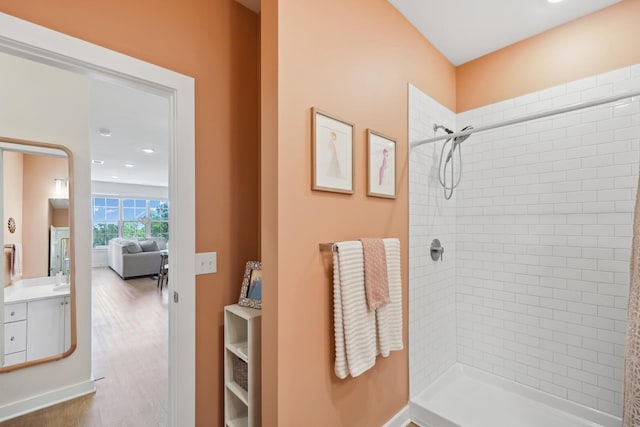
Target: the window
pixel 106 214
pixel 134 218
pixel 159 215
pixel 129 218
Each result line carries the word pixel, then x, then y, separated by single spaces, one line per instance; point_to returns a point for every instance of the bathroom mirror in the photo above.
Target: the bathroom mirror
pixel 38 288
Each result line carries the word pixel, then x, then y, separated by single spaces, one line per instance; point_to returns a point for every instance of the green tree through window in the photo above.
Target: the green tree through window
pixel 105 220
pixel 133 212
pixel 159 215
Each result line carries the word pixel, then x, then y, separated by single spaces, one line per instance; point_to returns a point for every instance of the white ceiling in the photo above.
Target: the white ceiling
pixel 467 29
pixel 137 120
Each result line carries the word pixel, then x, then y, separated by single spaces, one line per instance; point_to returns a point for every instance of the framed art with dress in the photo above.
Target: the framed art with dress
pixel 332 153
pixel 381 165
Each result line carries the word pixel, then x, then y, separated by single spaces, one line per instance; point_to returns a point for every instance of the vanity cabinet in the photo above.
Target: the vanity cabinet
pixel 36 329
pixel 242 366
pixel 48 322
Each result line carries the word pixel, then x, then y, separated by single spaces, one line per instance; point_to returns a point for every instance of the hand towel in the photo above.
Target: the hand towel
pixel 376 283
pixel 354 325
pixel 389 317
pixel 16 268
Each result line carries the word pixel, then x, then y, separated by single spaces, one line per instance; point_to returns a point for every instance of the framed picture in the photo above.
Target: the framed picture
pixel 251 290
pixel 332 153
pixel 381 165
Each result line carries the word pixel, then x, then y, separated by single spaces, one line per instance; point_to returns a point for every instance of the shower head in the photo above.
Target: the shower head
pixel 444 128
pixel 460 139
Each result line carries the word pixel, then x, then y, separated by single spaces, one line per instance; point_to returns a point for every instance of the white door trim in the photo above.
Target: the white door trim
pixel 22 38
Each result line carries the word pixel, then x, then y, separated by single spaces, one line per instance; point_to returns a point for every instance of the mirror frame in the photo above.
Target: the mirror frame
pixel 72 281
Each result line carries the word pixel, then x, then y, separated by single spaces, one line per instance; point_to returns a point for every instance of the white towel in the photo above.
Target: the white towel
pixel 354 324
pixel 16 268
pixel 389 317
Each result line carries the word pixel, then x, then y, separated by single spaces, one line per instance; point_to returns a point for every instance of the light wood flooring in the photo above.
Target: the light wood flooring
pixel 130 363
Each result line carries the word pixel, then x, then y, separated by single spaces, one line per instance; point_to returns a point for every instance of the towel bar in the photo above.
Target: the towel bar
pixel 329 247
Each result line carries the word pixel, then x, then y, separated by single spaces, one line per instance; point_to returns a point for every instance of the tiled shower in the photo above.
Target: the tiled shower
pixel 534 280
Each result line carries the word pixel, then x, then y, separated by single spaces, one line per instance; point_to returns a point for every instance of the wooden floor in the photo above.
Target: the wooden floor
pixel 130 363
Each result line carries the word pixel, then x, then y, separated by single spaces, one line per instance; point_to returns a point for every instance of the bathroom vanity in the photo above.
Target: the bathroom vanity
pixel 37 320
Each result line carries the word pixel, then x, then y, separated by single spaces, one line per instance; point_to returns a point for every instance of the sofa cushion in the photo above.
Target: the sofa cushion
pixel 162 244
pixel 149 245
pixel 133 247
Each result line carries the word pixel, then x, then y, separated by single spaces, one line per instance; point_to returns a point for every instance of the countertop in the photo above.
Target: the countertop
pixel 34 289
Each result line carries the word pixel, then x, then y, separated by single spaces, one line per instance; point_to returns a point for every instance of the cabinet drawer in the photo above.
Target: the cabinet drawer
pixel 15 358
pixel 15 312
pixel 15 337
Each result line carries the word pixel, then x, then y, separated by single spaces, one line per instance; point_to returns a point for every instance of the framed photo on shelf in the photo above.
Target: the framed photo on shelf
pixel 251 290
pixel 332 153
pixel 381 165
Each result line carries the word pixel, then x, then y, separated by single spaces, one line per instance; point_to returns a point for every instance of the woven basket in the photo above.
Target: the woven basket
pixel 240 372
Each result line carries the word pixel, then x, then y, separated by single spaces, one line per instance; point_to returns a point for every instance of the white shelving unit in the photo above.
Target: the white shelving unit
pixel 242 329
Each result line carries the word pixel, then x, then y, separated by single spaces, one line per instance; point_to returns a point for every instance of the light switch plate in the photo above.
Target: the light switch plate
pixel 206 263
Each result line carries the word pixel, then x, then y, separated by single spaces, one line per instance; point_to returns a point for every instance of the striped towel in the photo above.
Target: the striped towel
pixel 354 325
pixel 389 317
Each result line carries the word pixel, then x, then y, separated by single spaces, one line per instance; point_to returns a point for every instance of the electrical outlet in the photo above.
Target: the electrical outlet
pixel 206 263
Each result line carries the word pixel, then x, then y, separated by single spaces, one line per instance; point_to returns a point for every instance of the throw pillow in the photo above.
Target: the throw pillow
pixel 162 244
pixel 149 246
pixel 133 248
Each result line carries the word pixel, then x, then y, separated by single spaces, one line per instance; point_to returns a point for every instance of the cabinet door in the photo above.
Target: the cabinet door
pixel 45 331
pixel 67 324
pixel 15 337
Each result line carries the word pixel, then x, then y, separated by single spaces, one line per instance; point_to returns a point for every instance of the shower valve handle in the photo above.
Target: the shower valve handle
pixel 437 251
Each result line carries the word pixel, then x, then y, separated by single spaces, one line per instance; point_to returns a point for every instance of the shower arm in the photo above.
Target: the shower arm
pixel 549 113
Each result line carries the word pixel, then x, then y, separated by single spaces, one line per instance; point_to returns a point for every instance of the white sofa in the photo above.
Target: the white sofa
pixel 136 257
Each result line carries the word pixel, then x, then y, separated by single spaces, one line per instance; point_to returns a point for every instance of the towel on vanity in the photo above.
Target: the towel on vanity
pixel 354 325
pixel 376 282
pixel 16 267
pixel 389 317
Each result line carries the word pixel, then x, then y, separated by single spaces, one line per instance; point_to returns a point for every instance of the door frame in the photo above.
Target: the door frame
pixel 40 44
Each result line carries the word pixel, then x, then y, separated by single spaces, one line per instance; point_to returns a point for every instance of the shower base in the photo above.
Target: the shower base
pixel 467 397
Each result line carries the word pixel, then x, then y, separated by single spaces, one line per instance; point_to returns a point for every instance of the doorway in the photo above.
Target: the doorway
pixel 129 136
pixel 39 44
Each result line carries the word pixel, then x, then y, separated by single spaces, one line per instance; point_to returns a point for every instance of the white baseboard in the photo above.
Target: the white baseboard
pixel 34 403
pixel 99 258
pixel 401 419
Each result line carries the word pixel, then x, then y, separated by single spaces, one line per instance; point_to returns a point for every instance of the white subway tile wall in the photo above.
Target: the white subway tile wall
pixel 432 292
pixel 543 226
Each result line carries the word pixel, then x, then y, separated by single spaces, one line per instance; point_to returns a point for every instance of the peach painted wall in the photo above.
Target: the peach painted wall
pixel 269 154
pixel 352 59
pixel 12 204
pixel 603 41
pixel 217 43
pixel 59 217
pixel 12 194
pixel 38 186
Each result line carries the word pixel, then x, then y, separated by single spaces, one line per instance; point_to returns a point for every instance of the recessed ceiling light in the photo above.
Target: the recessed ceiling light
pixel 128 165
pixel 147 150
pixel 554 1
pixel 97 162
pixel 104 132
pixel 114 176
